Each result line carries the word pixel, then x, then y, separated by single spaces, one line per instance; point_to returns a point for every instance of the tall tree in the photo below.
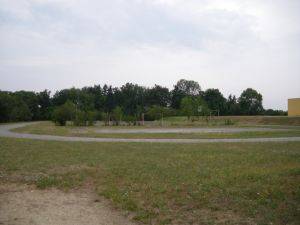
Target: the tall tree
pixel 31 102
pixel 232 106
pixel 7 103
pixel 133 98
pixel 251 102
pixel 44 101
pixel 182 89
pixel 187 106
pixel 157 95
pixel 215 100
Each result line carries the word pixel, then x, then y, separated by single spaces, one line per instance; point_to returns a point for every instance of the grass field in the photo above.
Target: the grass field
pixel 50 129
pixel 235 120
pixel 169 183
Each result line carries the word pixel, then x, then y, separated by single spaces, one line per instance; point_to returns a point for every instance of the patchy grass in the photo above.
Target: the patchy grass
pixel 235 120
pixel 228 183
pixel 50 129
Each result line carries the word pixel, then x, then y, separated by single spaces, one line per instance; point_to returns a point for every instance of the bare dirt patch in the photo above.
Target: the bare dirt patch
pixel 24 204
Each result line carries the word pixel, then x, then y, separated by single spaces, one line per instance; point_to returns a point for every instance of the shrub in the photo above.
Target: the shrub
pixel 79 118
pixel 229 122
pixel 91 117
pixel 155 112
pixel 117 114
pixel 84 118
pixel 63 113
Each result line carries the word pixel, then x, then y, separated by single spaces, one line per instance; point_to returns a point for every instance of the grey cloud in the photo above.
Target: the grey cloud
pixel 229 44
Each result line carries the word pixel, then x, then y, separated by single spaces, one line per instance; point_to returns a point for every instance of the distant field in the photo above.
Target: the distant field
pixel 50 129
pixel 169 183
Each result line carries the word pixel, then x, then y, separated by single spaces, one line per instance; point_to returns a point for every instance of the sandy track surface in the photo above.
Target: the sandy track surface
pixel 24 205
pixel 5 132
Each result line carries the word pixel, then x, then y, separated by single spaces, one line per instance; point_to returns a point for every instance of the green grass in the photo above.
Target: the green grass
pixel 50 129
pixel 240 183
pixel 236 120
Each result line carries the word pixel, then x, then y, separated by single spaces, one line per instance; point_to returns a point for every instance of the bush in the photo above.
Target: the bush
pixel 79 118
pixel 84 118
pixel 20 112
pixel 155 112
pixel 91 117
pixel 117 114
pixel 229 122
pixel 130 120
pixel 63 113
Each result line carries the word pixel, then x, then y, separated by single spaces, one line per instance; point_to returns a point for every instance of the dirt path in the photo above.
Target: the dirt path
pixel 5 132
pixel 24 205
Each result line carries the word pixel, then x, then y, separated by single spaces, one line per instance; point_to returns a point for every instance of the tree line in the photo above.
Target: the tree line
pixel 130 102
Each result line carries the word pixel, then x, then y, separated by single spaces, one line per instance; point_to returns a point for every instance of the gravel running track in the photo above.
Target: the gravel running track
pixel 5 132
pixel 186 130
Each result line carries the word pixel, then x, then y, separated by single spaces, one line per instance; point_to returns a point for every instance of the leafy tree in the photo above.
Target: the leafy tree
pixel 157 95
pixel 6 106
pixel 132 98
pixel 110 102
pixel 251 102
pixel 61 97
pixel 187 107
pixel 200 107
pixel 182 89
pixel 98 96
pixel 194 106
pixel 156 112
pixel 64 113
pixel 13 108
pixel 232 106
pixel 215 100
pixel 31 101
pixel 188 87
pixel 272 112
pixel 118 114
pixel 20 111
pixel 91 117
pixel 44 103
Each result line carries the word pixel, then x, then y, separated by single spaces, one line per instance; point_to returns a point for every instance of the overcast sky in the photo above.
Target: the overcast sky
pixel 225 44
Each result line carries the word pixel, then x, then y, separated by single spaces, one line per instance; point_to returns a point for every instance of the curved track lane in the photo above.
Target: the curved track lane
pixel 5 131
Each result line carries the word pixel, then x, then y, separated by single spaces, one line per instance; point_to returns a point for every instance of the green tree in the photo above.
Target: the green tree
pixel 215 100
pixel 31 100
pixel 118 114
pixel 182 89
pixel 157 95
pixel 64 113
pixel 155 112
pixel 91 117
pixel 44 102
pixel 6 106
pixel 232 106
pixel 250 102
pixel 187 107
pixel 188 87
pixel 131 98
pixel 20 111
pixel 200 107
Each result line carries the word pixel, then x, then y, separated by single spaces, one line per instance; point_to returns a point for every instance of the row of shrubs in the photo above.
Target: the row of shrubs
pixel 70 112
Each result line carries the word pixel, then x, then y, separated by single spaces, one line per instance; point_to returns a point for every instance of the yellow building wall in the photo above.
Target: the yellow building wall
pixel 294 107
